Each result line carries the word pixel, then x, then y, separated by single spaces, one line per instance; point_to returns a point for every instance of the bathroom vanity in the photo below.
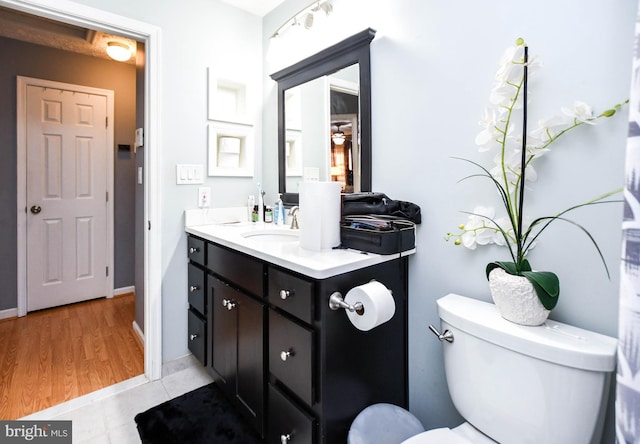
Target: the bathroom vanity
pixel 260 321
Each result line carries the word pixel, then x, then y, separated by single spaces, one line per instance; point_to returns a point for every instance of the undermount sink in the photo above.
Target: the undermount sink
pixel 273 235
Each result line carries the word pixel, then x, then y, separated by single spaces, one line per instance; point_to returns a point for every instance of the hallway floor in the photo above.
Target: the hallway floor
pixel 55 355
pixel 106 416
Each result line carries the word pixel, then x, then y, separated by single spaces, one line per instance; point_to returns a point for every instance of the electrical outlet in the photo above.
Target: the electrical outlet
pixel 204 197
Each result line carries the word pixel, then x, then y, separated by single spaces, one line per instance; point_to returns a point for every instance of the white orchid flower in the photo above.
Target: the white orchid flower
pixel 478 229
pixel 548 129
pixel 580 112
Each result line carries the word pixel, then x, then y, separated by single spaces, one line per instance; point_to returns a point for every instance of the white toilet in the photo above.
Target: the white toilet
pixel 517 384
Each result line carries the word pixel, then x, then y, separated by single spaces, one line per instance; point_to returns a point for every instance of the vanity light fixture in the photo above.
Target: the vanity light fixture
pixel 305 19
pixel 118 51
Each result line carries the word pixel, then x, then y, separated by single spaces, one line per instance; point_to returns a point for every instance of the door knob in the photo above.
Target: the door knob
pixel 36 209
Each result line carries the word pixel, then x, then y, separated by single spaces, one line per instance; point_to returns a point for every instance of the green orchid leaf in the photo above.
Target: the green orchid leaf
pixel 509 267
pixel 547 286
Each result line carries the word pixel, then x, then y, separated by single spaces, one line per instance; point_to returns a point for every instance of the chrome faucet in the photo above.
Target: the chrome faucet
pixel 293 212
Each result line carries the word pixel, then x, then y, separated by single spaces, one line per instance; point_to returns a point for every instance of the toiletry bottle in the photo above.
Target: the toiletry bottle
pixel 278 211
pixel 254 214
pixel 268 214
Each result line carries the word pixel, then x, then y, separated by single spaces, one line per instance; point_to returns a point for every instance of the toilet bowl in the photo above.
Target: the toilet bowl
pixel 513 383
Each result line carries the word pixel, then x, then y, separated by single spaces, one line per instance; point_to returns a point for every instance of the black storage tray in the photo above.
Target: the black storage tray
pixel 401 238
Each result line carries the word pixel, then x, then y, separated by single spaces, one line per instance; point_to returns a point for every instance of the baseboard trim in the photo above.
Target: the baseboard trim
pixel 9 313
pixel 124 290
pixel 139 335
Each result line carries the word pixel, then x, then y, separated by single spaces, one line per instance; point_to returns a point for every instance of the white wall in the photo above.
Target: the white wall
pixel 432 67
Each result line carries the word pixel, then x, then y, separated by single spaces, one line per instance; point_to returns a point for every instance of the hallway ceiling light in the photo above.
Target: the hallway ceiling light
pixel 118 51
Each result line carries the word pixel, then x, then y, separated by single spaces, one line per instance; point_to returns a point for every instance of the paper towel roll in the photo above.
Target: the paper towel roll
pixel 319 215
pixel 378 304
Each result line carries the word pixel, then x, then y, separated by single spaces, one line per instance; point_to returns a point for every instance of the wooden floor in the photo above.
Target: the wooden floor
pixel 51 356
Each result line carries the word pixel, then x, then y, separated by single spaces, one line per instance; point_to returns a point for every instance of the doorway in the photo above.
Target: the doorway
pixel 81 15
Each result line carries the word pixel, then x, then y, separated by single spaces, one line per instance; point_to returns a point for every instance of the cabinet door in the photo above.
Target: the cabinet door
pixel 237 350
pixel 250 372
pixel 223 333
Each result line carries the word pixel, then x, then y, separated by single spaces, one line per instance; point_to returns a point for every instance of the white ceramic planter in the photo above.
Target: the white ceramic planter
pixel 516 298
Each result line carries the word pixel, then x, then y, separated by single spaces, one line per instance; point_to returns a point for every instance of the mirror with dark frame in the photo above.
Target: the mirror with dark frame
pixel 324 118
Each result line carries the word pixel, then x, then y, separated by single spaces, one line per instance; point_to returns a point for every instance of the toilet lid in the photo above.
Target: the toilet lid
pixel 437 436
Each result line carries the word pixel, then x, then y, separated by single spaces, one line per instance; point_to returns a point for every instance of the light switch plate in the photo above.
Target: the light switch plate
pixel 189 174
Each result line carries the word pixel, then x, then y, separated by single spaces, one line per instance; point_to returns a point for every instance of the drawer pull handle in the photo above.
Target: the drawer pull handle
pixel 193 250
pixel 192 336
pixel 230 304
pixel 284 355
pixel 284 439
pixel 193 288
pixel 285 294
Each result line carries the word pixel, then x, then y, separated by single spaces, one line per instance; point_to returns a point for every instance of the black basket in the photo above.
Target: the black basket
pixel 377 235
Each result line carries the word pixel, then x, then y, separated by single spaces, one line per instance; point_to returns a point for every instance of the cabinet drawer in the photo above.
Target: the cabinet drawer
pixel 290 355
pixel 195 250
pixel 236 268
pixel 197 330
pixel 292 294
pixel 196 289
pixel 287 419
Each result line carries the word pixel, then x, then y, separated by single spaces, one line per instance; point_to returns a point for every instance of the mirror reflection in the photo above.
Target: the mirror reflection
pixel 321 135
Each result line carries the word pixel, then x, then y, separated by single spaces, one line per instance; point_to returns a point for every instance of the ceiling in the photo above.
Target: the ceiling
pixel 257 7
pixel 42 31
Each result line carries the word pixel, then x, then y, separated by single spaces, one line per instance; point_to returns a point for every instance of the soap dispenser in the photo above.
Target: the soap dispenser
pixel 278 211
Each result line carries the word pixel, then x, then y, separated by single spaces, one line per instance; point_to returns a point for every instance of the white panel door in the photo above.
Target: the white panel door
pixel 66 196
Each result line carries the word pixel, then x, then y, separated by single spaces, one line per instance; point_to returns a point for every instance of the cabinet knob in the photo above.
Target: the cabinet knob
pixel 284 439
pixel 193 250
pixel 192 336
pixel 193 288
pixel 284 355
pixel 230 304
pixel 284 294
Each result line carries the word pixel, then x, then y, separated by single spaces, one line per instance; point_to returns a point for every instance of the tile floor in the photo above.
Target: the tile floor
pixel 106 416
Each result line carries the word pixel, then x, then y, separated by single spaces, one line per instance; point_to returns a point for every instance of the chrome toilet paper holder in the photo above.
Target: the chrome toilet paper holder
pixel 336 302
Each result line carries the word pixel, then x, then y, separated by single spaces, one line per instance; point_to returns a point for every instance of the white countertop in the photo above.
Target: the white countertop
pixel 288 253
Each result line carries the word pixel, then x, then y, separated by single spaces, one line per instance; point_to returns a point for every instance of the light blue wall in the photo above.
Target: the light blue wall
pixel 432 67
pixel 433 63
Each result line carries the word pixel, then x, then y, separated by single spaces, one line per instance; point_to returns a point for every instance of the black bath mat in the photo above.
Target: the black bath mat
pixel 198 417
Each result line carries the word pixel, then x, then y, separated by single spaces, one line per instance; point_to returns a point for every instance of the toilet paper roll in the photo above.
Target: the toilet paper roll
pixel 319 215
pixel 377 302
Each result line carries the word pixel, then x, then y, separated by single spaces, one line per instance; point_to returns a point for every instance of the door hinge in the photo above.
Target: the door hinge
pixel 107 196
pixel 149 225
pixel 107 271
pixel 106 122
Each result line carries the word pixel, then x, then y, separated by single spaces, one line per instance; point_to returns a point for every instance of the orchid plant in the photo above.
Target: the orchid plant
pixel 514 153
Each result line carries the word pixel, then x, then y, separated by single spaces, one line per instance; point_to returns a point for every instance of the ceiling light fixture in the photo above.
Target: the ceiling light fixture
pixel 338 137
pixel 118 51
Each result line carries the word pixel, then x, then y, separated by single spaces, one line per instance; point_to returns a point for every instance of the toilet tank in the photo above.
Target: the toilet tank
pixel 517 384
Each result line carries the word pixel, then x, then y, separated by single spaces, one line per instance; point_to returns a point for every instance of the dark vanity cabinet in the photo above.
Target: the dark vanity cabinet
pixel 299 371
